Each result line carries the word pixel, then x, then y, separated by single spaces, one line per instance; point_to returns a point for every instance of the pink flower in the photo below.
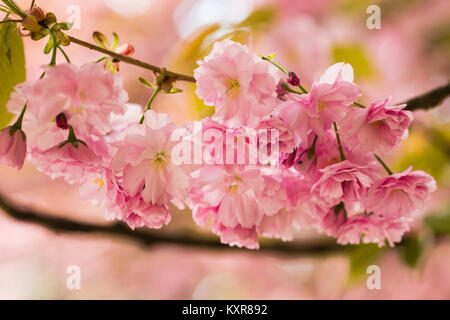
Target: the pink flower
pixel 345 181
pixel 230 196
pixel 13 147
pixel 144 161
pixel 313 154
pixel 87 97
pixel 327 102
pixel 71 161
pixel 377 128
pixel 239 84
pixel 103 188
pixel 285 138
pixel 138 214
pixel 237 236
pixel 401 194
pixel 372 229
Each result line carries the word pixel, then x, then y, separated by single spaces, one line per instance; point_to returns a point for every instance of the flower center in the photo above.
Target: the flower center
pixel 234 88
pixel 159 160
pixel 322 105
pixel 78 110
pixel 100 183
pixel 377 124
pixel 233 188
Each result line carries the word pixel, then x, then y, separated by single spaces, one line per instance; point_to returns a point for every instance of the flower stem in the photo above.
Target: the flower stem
pixel 18 123
pixel 312 150
pixel 301 88
pixel 286 72
pixel 149 104
pixel 359 105
pixel 341 150
pixel 7 21
pixel 279 66
pixel 289 89
pixel 64 54
pixel 14 8
pixel 55 48
pixel 129 60
pixel 389 171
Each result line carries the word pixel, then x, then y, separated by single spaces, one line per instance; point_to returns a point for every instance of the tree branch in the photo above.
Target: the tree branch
pixel 149 238
pixel 129 60
pixel 429 99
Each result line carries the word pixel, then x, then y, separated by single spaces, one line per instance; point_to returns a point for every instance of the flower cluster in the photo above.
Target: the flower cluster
pixel 321 167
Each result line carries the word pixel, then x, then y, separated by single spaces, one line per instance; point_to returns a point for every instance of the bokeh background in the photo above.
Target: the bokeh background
pixel 408 56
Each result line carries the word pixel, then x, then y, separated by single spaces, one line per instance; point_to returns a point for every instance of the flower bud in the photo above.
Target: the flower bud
pixel 13 147
pixel 293 79
pixel 280 90
pixel 125 50
pixel 37 12
pixel 61 121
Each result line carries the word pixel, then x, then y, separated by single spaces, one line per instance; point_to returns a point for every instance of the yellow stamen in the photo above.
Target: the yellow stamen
pixel 322 105
pixel 377 124
pixel 159 160
pixel 101 184
pixel 233 188
pixel 78 110
pixel 234 88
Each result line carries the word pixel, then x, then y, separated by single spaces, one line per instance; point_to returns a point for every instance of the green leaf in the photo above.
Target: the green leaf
pixel 174 91
pixel 100 39
pixel 49 46
pixel 12 71
pixel 116 41
pixel 146 83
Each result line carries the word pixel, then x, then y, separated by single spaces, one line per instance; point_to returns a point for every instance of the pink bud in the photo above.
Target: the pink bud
pixel 13 147
pixel 125 50
pixel 280 90
pixel 37 12
pixel 293 79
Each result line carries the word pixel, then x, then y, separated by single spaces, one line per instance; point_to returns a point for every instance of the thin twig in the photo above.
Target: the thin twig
pixel 129 60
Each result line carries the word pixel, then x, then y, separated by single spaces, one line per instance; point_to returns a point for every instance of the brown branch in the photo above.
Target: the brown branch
pixel 129 60
pixel 429 99
pixel 152 238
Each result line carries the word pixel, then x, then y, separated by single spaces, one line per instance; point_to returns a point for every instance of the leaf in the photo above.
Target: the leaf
pixel 49 45
pixel 174 91
pixel 100 39
pixel 146 83
pixel 116 41
pixel 12 71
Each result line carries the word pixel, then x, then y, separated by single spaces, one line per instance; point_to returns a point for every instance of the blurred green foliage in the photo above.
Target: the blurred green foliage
pixel 12 67
pixel 356 56
pixel 361 256
pixel 428 149
pixel 439 222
